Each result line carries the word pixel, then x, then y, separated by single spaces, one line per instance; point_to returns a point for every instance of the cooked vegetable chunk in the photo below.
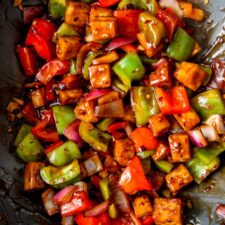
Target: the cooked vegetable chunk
pixel 180 148
pixel 142 206
pixel 93 165
pixel 168 211
pixel 178 178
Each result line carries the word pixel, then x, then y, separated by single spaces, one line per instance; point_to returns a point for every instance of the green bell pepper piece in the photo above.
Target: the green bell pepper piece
pixel 146 60
pixel 208 70
pixel 146 165
pixel 59 177
pixel 210 152
pixel 88 62
pixel 67 30
pixel 182 46
pixel 113 213
pixel 23 131
pixel 164 166
pixel 96 138
pixel 129 68
pixel 57 8
pixel 73 67
pixel 208 103
pixel 144 103
pixel 30 149
pixel 122 87
pixel 104 187
pixel 64 154
pixel 63 116
pixel 145 154
pixel 103 124
pixel 199 170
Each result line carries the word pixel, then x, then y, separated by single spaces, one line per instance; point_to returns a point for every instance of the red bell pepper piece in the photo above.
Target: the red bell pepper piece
pixel 102 219
pixel 129 48
pixel 143 137
pixel 172 101
pixel 148 221
pixel 70 82
pixel 51 69
pixel 116 126
pixel 133 178
pixel 49 91
pixel 44 48
pixel 28 60
pixel 44 28
pixel 127 22
pixel 53 146
pixel 30 113
pixel 79 204
pixel 107 3
pixel 47 114
pixel 43 133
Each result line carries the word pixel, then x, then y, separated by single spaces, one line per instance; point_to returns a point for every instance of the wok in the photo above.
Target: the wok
pixel 19 208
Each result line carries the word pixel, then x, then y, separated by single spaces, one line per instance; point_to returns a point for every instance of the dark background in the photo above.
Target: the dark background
pixel 19 208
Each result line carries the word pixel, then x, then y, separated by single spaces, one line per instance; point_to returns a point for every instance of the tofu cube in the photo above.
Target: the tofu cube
pixel 161 151
pixel 142 206
pixel 159 124
pixel 180 147
pixel 178 178
pixel 124 150
pixel 187 120
pixel 168 211
pixel 77 13
pixel 68 47
pixel 100 76
pixel 190 75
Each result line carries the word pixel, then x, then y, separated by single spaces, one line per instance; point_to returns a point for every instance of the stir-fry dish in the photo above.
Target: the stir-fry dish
pixel 117 117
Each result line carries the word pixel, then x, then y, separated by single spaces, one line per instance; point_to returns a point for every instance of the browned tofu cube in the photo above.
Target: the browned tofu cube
pixel 38 97
pixel 168 211
pixel 77 13
pixel 100 76
pixel 100 12
pixel 178 178
pixel 142 206
pixel 180 147
pixel 161 151
pixel 124 150
pixel 69 96
pixel 85 110
pixel 187 120
pixel 159 124
pixel 68 47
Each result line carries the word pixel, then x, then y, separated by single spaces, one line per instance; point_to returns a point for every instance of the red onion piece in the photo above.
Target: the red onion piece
pixel 65 195
pixel 197 138
pixel 217 122
pixel 209 133
pixel 119 42
pixel 174 5
pixel 93 165
pixel 67 220
pixel 72 133
pixel 98 209
pixel 96 93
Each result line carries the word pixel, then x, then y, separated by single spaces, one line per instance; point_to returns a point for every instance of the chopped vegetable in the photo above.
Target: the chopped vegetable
pixel 23 131
pixel 93 165
pixel 49 204
pixel 57 8
pixel 164 166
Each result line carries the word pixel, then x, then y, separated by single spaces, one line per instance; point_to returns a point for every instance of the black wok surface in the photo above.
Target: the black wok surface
pixel 19 208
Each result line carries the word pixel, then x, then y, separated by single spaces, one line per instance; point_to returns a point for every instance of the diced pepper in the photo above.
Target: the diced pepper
pixel 113 212
pixel 77 13
pixel 23 131
pixel 100 76
pixel 51 69
pixel 187 120
pixel 142 206
pixel 66 30
pixel 109 58
pixel 30 113
pixel 117 126
pixel 172 101
pixel 30 149
pixel 98 139
pixel 129 68
pixel 127 22
pixel 32 179
pixel 146 165
pixel 107 3
pixel 143 137
pixel 153 29
pixel 124 151
pixel 159 124
pixel 162 151
pixel 59 177
pixel 182 46
pixel 208 71
pixel 129 48
pixel 104 187
pixel 68 47
pixel 120 86
pixel 133 178
pixel 178 178
pixel 164 166
pixel 49 91
pixel 28 60
pixel 73 68
pixel 166 209
pixel 64 154
pixel 180 147
pixel 104 124
pixel 208 103
pixel 57 8
pixel 63 116
pixel 143 103
pixel 145 154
